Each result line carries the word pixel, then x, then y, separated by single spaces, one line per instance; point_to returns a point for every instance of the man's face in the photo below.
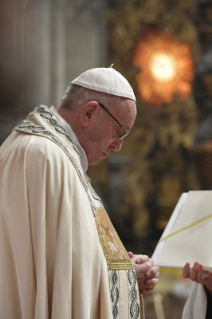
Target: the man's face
pixel 103 135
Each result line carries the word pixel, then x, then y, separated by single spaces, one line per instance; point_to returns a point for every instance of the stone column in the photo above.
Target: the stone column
pixel 80 41
pixel 44 45
pixel 25 57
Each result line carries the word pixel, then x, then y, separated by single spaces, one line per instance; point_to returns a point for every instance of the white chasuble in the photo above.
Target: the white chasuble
pixel 196 304
pixel 60 255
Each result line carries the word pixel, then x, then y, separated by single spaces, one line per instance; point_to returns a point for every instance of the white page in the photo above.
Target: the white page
pixel 190 245
pixel 169 227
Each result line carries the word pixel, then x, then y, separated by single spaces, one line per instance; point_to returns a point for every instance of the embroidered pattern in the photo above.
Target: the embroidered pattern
pixel 114 251
pixel 134 306
pixel 54 123
pixel 114 293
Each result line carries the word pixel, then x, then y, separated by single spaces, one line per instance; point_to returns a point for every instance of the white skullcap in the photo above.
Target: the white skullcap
pixel 106 80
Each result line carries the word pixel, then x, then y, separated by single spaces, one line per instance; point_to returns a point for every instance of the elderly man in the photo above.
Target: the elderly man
pixel 60 255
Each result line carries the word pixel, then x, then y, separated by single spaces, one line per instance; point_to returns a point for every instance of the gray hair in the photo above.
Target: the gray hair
pixel 76 95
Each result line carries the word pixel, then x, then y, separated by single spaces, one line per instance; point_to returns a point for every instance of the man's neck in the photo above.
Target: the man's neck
pixel 70 125
pixel 70 117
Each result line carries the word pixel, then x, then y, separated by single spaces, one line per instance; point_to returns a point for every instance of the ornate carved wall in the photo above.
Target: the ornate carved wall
pixel 161 142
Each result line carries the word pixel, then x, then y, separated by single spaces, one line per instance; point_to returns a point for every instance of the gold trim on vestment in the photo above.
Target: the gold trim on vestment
pixel 116 255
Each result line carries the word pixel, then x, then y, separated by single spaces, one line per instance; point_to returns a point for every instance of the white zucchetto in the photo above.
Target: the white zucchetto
pixel 106 80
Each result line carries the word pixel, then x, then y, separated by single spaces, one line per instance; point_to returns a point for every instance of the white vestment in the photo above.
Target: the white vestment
pixel 196 304
pixel 60 255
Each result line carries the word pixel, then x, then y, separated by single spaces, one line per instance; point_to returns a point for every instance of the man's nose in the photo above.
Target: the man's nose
pixel 116 145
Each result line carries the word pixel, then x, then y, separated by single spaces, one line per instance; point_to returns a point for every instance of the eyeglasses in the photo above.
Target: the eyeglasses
pixel 126 132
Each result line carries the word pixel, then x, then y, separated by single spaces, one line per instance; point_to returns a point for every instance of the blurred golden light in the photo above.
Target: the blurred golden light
pixel 163 67
pixel 166 68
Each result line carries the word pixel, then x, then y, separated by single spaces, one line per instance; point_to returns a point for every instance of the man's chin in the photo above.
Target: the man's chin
pixel 93 161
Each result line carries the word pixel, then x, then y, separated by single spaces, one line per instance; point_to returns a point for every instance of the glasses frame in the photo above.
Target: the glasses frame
pixel 126 132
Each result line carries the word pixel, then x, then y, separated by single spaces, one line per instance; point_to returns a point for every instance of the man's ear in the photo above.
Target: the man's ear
pixel 89 113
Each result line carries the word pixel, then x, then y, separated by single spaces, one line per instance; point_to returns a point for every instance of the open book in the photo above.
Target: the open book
pixel 188 234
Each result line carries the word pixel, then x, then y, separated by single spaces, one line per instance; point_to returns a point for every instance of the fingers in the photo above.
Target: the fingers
pixel 149 286
pixel 153 272
pixel 130 254
pixel 142 269
pixel 143 258
pixel 147 273
pixel 152 282
pixel 196 273
pixel 186 271
pixel 146 279
pixel 138 259
pixel 142 264
pixel 207 276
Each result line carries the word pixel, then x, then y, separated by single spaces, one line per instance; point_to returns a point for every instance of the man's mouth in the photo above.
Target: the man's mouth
pixel 103 155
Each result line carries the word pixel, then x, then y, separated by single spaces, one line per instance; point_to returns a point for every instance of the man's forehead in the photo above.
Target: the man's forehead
pixel 126 114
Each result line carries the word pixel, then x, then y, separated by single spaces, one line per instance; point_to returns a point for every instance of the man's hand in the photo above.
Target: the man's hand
pixel 147 274
pixel 200 276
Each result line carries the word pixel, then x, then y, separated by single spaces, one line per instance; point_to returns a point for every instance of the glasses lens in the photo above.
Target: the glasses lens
pixel 123 136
